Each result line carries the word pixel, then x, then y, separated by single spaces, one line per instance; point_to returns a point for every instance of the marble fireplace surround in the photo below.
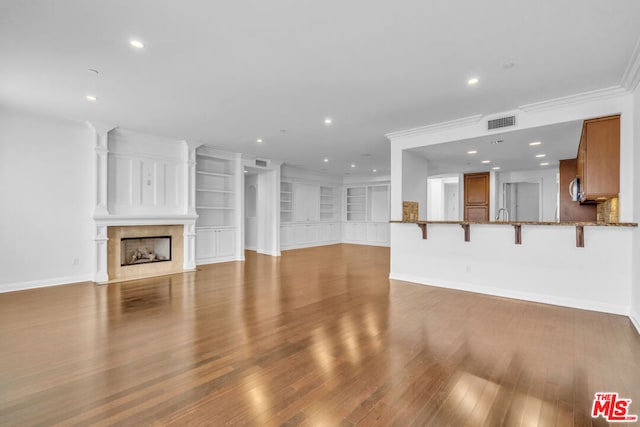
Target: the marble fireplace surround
pixel 143 184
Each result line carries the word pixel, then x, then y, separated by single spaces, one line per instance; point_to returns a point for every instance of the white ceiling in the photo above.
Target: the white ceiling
pixel 227 73
pixel 510 151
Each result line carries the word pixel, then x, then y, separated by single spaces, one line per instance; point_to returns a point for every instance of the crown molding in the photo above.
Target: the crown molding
pixel 100 128
pixel 571 100
pixel 631 76
pixel 436 127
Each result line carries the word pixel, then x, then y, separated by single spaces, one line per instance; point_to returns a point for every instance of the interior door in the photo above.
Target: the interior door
pixel 476 196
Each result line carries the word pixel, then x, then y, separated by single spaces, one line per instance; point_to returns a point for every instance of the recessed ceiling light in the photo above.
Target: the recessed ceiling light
pixel 246 171
pixel 375 170
pixel 495 168
pixel 535 143
pixel 259 141
pixel 353 165
pixel 472 152
pixel 473 81
pixel 137 44
pixel 326 160
pixel 541 155
pixel 328 121
pixel 91 98
pixel 486 161
pixel 544 164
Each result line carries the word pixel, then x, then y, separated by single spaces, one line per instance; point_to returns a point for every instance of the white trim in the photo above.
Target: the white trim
pixel 45 283
pixel 577 99
pixel 526 296
pixel 144 219
pixel 276 253
pixel 310 245
pixel 436 127
pixel 631 76
pixel 635 322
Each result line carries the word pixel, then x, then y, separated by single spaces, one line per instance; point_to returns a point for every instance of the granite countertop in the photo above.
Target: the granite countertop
pixel 565 223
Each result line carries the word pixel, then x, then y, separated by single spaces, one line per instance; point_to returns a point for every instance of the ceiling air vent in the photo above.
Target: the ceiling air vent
pixel 501 122
pixel 261 163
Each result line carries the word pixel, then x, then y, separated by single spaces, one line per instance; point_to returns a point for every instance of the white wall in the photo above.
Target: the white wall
pixel 414 182
pixel 547 180
pixel 46 197
pixel 635 282
pixel 547 267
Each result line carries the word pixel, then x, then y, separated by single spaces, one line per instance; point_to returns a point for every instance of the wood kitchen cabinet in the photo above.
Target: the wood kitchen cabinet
pixel 598 165
pixel 570 210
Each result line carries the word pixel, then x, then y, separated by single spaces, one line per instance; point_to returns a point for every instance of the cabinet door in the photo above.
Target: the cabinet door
pixel 226 242
pixel 313 233
pixel 300 234
pixel 361 232
pixel 382 235
pixel 205 243
pixel 286 235
pixel 336 232
pixel 601 169
pixel 326 232
pixel 350 231
pixel 372 232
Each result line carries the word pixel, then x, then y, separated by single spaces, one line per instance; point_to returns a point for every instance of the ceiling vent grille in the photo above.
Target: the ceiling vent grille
pixel 261 163
pixel 501 122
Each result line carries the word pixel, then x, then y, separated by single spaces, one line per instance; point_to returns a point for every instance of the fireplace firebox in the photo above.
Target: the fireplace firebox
pixel 144 250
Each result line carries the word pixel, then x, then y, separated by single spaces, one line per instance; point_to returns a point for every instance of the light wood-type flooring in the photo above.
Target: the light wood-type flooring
pixel 318 337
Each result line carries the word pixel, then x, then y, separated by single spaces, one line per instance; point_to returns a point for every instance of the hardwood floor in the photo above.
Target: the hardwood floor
pixel 317 337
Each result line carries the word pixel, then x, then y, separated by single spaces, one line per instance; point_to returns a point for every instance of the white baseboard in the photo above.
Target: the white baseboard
pixel 274 253
pixel 11 287
pixel 635 321
pixel 350 242
pixel 310 245
pixel 526 296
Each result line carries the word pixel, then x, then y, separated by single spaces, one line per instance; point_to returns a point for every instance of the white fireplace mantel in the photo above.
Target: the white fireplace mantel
pixel 150 189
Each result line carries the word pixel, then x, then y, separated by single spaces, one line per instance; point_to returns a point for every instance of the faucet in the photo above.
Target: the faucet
pixel 506 215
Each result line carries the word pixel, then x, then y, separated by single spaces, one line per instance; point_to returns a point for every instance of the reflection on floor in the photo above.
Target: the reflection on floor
pixel 317 337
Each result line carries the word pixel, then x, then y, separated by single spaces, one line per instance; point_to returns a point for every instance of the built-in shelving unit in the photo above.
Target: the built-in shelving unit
pixel 217 207
pixel 367 214
pixel 328 205
pixel 286 201
pixel 356 203
pixel 214 192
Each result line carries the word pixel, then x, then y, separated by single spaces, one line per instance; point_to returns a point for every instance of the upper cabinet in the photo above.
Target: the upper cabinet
pixel 598 165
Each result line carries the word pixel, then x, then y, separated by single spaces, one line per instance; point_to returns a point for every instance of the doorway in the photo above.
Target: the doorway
pixel 261 209
pixel 522 200
pixel 250 211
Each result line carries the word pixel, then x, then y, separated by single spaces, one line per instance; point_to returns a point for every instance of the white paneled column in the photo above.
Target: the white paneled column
pixel 189 240
pixel 100 141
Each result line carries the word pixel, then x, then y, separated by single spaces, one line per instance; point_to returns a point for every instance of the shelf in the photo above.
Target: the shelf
pixel 204 190
pixel 224 175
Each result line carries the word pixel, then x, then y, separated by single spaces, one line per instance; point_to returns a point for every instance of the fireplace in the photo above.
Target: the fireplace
pixel 143 250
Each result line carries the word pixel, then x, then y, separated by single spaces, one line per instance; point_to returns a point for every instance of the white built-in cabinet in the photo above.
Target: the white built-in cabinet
pixel 216 206
pixel 367 215
pixel 309 215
